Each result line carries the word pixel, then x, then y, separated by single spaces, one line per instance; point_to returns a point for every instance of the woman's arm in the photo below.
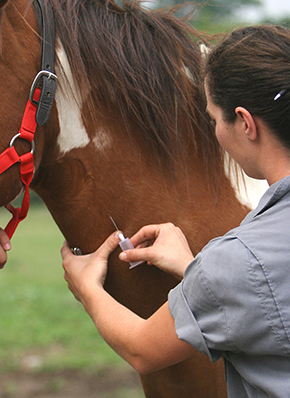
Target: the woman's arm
pixel 148 345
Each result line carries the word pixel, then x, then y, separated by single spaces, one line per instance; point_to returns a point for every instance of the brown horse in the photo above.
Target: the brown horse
pixel 128 137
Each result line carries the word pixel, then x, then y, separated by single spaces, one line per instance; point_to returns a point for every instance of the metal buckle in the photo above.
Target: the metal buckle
pixel 76 251
pixel 35 83
pixel 15 138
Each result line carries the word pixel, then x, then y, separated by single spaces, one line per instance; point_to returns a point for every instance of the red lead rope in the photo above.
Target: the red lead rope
pixel 26 165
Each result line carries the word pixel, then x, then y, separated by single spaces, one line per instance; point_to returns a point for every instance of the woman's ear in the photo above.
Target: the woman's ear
pixel 247 122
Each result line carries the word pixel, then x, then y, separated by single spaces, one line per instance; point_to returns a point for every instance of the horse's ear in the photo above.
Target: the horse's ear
pixel 3 2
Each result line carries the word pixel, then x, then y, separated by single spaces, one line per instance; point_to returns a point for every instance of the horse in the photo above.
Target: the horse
pixel 128 137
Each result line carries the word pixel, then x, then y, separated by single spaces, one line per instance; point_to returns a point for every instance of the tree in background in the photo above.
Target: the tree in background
pixel 208 14
pixel 218 8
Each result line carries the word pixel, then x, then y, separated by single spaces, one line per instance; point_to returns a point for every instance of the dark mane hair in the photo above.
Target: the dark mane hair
pixel 145 64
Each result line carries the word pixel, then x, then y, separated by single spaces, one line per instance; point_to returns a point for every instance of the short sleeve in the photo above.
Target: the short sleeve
pixel 217 307
pixel 187 327
pixel 199 317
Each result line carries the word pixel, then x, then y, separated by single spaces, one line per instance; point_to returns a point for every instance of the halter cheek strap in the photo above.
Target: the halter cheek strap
pixel 26 165
pixel 36 113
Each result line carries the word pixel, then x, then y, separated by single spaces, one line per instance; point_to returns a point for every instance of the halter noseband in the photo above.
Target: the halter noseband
pixel 37 112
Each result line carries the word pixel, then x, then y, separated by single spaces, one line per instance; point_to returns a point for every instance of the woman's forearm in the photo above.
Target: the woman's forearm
pixel 116 324
pixel 147 344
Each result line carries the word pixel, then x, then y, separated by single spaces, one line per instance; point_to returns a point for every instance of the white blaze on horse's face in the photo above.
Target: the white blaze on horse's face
pixel 69 104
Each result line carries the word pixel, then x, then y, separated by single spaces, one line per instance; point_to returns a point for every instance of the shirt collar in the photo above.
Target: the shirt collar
pixel 274 193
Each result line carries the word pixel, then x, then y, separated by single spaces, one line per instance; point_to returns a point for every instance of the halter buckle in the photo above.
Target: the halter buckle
pixel 42 73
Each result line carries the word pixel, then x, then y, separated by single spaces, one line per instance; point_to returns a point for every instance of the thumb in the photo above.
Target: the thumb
pixel 65 250
pixel 108 246
pixel 138 254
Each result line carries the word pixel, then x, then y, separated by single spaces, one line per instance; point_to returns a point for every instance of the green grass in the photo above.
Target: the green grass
pixel 41 324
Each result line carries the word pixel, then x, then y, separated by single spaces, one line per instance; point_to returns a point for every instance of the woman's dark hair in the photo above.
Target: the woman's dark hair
pixel 249 68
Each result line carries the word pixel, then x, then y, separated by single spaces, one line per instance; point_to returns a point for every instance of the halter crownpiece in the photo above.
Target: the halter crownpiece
pixel 36 113
pixel 46 76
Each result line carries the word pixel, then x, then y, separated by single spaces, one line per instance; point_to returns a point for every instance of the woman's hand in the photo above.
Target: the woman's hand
pixel 84 273
pixel 5 246
pixel 163 245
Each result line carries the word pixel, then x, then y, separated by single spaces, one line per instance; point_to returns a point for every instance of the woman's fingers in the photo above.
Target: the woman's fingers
pixel 163 245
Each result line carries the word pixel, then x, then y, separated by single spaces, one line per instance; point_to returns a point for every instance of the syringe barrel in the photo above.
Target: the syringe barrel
pixel 126 244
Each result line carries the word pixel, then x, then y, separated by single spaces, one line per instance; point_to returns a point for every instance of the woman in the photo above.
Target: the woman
pixel 233 300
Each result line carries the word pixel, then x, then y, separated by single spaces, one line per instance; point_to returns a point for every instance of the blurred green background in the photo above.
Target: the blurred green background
pixel 38 310
pixel 43 328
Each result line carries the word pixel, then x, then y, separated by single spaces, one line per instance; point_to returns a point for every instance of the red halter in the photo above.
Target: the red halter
pixel 36 113
pixel 26 166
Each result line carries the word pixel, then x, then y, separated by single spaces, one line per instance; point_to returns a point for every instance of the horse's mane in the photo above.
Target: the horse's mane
pixel 145 64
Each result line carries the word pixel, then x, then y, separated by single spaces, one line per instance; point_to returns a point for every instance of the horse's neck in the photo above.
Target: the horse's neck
pixel 111 176
pixel 98 172
pixel 92 170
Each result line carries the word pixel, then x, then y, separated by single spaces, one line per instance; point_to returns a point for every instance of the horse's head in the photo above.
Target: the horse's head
pixel 20 60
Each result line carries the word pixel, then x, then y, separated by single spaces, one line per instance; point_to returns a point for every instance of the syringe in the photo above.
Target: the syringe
pixel 126 244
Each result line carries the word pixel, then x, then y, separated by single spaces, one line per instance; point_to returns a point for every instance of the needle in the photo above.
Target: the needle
pixel 126 244
pixel 122 237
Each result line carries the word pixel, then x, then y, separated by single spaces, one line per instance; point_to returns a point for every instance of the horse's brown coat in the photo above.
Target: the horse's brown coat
pixel 164 164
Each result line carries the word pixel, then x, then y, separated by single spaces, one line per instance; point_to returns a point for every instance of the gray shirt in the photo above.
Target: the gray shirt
pixel 234 300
